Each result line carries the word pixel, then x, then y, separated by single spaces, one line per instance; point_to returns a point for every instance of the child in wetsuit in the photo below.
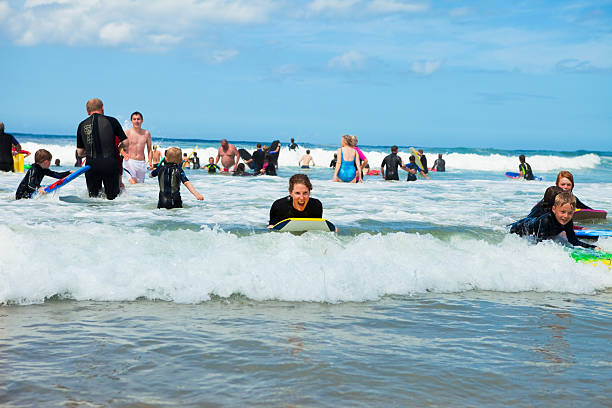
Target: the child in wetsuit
pixel 170 176
pixel 211 166
pixel 525 168
pixel 31 182
pixel 552 223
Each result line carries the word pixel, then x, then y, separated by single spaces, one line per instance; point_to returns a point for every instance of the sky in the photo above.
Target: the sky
pixel 446 73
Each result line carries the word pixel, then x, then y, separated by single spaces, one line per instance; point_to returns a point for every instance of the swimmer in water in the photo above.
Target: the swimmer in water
pixel 565 180
pixel 305 160
pixel 298 204
pixel 348 166
pixel 439 165
pixel 390 163
pixel 211 166
pixel 170 176
pixel 551 224
pixel 525 168
pixel 31 182
pixel 412 169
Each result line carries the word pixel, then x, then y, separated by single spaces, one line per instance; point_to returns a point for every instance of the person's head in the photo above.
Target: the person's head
pixel 354 140
pixel 136 119
pixel 211 160
pixel 335 155
pixel 565 180
pixel 240 168
pixel 564 207
pixel 173 155
pixel 195 154
pixel 299 190
pixel 367 166
pixel 1 127
pixel 412 159
pixel 347 140
pixel 394 149
pixel 184 154
pixel 224 143
pixel 420 151
pixel 439 155
pixel 522 158
pixel 292 140
pixel 549 196
pixel 94 105
pixel 259 145
pixel 307 151
pixel 57 162
pixel 154 147
pixel 266 148
pixel 43 158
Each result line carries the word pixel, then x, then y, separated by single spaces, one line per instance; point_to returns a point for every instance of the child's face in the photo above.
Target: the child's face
pixel 211 160
pixel 565 184
pixel 563 213
pixel 45 164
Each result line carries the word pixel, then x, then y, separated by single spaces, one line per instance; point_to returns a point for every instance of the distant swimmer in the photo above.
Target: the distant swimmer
pixel 8 143
pixel 186 163
pixel 390 164
pixel 269 169
pixel 195 161
pixel 298 204
pixel 57 162
pixel 305 160
pixel 258 157
pixel 565 180
pixel 333 161
pixel 525 168
pixel 439 165
pixel 211 166
pixel 274 152
pixel 31 182
pixel 412 169
pixel 229 156
pixel 155 157
pixel 293 145
pixel 363 160
pixel 349 166
pixel 551 224
pixel 170 176
pixel 241 171
pixel 99 138
pixel 423 159
pixel 134 160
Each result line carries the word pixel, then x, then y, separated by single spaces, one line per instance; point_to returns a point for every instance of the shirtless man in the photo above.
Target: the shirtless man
pixel 134 159
pixel 305 160
pixel 154 158
pixel 228 154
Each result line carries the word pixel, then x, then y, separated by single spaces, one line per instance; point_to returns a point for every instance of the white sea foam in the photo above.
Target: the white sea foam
pixel 322 158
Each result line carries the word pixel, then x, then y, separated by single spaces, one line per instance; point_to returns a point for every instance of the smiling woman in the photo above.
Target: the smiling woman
pixel 298 204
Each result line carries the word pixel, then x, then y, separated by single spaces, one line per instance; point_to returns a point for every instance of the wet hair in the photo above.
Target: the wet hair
pixel 412 159
pixel 173 155
pixel 94 104
pixel 57 162
pixel 348 139
pixel 549 196
pixel 439 155
pixel 336 155
pixel 154 147
pixel 565 197
pixel 240 167
pixel 394 149
pixel 41 155
pixel 136 113
pixel 522 158
pixel 195 154
pixel 307 151
pixel 259 145
pixel 421 151
pixel 567 175
pixel 299 179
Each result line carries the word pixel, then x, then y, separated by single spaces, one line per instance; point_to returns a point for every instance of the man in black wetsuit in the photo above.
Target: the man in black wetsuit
pixel 293 145
pixel 274 152
pixel 423 161
pixel 7 143
pixel 96 141
pixel 439 164
pixel 391 162
pixel 552 223
pixel 525 168
pixel 258 157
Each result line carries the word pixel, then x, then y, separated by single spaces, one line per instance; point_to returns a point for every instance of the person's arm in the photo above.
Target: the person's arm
pixel 424 175
pixel 581 205
pixel 218 156
pixel 358 167
pixel 55 174
pixel 124 143
pixel 237 158
pixel 313 163
pixel 337 168
pixel 573 239
pixel 193 191
pixel 155 171
pixel 274 215
pixel 149 149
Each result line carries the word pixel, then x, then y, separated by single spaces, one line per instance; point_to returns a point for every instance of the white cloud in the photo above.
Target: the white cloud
pixel 331 6
pixel 425 67
pixel 115 33
pixel 5 10
pixel 459 12
pixel 393 6
pixel 36 3
pixel 350 60
pixel 221 56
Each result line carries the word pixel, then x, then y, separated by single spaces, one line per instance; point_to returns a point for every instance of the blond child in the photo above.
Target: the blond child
pixel 170 176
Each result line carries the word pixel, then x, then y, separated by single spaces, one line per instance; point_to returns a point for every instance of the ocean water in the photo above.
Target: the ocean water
pixel 421 299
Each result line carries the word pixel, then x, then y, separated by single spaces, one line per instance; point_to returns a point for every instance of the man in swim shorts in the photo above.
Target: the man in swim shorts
pixel 134 160
pixel 305 160
pixel 96 141
pixel 391 162
pixel 229 156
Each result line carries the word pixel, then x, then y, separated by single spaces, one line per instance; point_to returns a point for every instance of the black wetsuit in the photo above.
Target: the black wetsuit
pixel 391 162
pixel 293 146
pixel 258 158
pixel 332 163
pixel 546 226
pixel 581 205
pixel 538 210
pixel 273 153
pixel 212 168
pixel 283 209
pixel 525 170
pixel 31 182
pixel 6 151
pixel 270 168
pixel 196 163
pixel 170 176
pixel 96 135
pixel 424 163
pixel 440 165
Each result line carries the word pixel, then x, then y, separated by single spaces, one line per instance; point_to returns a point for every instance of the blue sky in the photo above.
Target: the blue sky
pixel 507 74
